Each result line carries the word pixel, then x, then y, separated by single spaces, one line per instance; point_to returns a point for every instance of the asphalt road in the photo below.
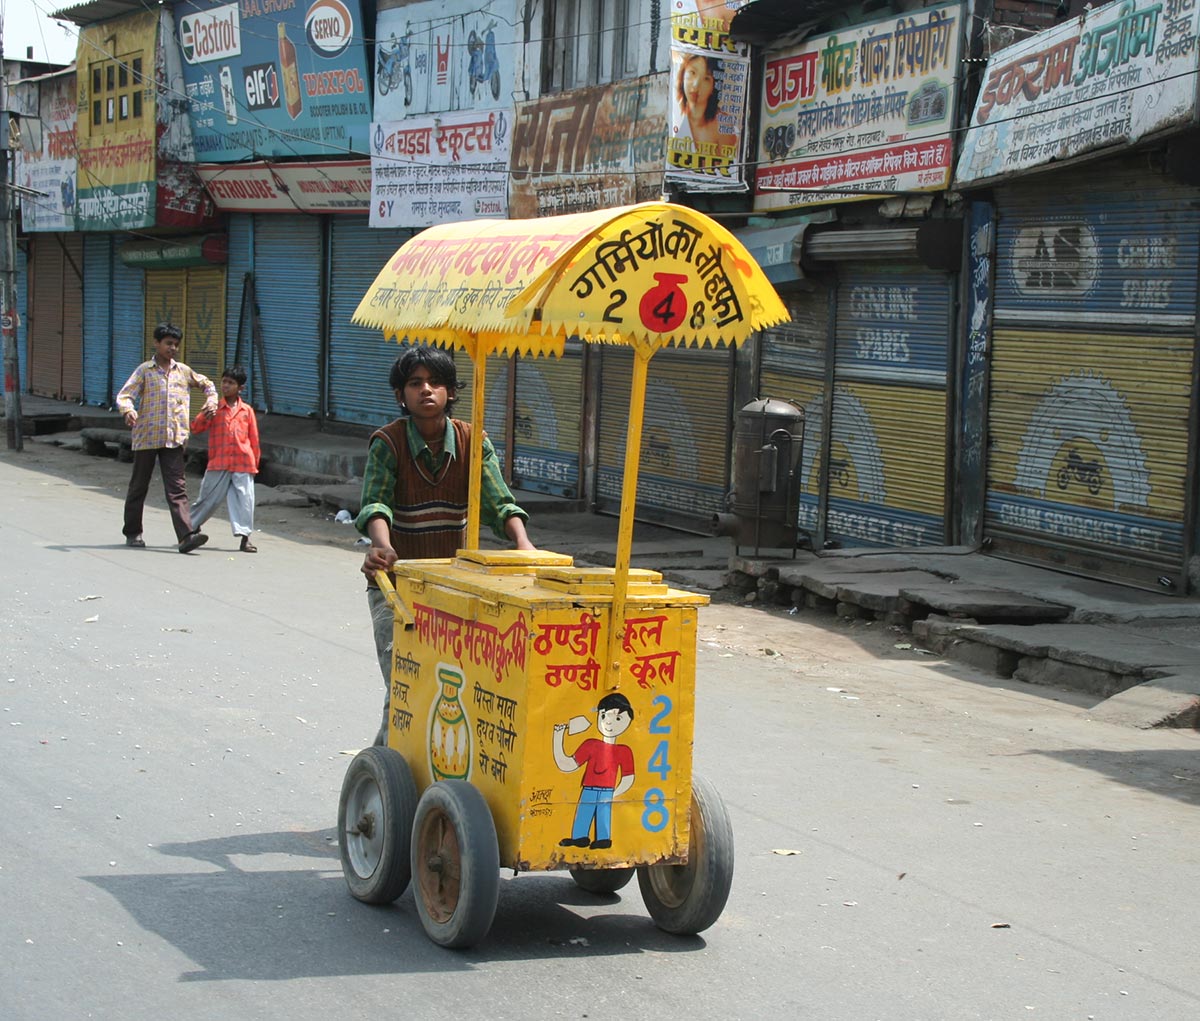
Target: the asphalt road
pixel 915 841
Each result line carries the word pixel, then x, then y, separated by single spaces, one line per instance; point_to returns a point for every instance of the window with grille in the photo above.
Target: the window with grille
pixel 117 92
pixel 592 42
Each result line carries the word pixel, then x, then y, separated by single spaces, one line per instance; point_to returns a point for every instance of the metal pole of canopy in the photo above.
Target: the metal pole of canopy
pixel 633 455
pixel 478 354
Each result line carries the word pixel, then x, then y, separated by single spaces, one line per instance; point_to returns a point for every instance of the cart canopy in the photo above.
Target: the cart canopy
pixel 647 276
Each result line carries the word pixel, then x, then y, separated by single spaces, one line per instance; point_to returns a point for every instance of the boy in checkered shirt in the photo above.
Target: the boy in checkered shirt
pixel 233 459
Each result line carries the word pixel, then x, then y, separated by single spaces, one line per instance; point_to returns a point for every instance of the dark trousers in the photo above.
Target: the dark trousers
pixel 170 464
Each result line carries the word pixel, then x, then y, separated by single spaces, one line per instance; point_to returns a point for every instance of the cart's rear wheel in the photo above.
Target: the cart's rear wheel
pixel 687 899
pixel 455 864
pixel 601 880
pixel 375 821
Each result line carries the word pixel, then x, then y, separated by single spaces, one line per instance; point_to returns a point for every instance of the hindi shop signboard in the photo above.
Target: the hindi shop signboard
pixel 326 187
pixel 428 170
pixel 46 169
pixel 271 78
pixel 1120 72
pixel 863 110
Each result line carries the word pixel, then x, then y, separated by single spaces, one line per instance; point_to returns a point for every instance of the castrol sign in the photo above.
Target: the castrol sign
pixel 211 35
pixel 329 26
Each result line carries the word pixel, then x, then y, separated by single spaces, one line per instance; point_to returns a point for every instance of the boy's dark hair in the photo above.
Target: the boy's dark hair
pixel 438 361
pixel 615 701
pixel 236 373
pixel 167 330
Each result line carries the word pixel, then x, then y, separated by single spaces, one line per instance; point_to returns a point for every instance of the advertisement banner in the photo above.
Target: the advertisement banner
pixel 116 137
pixel 46 160
pixel 431 170
pixel 445 55
pixel 710 75
pixel 274 78
pixel 858 111
pixel 326 187
pixel 589 149
pixel 1120 72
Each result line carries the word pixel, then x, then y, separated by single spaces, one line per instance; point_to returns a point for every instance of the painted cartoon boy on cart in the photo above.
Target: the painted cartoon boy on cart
pixel 608 769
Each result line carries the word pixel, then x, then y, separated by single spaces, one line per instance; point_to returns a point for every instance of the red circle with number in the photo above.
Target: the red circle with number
pixel 664 306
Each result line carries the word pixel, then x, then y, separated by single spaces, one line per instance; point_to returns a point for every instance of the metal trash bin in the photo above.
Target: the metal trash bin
pixel 768 443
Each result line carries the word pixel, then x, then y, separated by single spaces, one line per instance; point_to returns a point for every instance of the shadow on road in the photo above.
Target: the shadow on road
pixel 1171 772
pixel 275 906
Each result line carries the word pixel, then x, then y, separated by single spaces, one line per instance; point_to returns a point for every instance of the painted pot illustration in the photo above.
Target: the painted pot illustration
pixel 449 731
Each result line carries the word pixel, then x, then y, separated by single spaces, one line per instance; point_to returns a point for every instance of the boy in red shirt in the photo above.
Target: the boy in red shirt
pixel 233 458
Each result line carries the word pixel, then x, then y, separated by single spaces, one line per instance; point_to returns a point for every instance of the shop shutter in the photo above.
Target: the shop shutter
pixel 71 303
pixel 131 336
pixel 1090 390
pixel 684 474
pixel 239 231
pixel 204 325
pixel 97 320
pixel 888 432
pixel 288 283
pixel 359 358
pixel 23 323
pixel 547 420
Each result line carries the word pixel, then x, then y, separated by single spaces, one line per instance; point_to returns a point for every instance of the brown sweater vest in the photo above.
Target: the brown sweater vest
pixel 429 512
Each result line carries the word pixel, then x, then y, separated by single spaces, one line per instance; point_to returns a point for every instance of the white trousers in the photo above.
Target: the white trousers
pixel 237 489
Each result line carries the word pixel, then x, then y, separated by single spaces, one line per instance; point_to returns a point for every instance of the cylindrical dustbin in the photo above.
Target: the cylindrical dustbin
pixel 768 442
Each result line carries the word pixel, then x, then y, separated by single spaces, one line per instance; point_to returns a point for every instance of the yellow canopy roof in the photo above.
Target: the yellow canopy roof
pixel 651 274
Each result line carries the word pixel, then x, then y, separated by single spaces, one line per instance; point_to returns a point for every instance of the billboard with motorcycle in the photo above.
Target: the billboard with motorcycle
pixel 443 56
pixel 275 79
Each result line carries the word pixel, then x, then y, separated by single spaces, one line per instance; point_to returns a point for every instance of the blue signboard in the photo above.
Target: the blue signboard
pixel 275 78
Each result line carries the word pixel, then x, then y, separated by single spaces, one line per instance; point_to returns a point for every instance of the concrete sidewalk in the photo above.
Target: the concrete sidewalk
pixel 1137 652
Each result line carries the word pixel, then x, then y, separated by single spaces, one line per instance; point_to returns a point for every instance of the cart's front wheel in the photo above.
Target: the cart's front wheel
pixel 601 880
pixel 455 864
pixel 687 899
pixel 375 821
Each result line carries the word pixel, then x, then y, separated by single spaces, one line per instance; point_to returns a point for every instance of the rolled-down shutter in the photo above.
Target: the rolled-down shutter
pixel 1089 415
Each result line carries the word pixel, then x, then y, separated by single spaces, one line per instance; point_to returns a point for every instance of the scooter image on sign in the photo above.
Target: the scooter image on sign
pixel 484 65
pixel 392 67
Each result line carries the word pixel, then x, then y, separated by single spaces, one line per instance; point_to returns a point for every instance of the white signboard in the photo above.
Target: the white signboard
pixel 1120 72
pixel 334 187
pixel 48 165
pixel 445 55
pixel 429 170
pixel 867 109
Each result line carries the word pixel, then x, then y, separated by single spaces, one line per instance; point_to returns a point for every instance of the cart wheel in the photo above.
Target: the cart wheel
pixel 455 864
pixel 687 899
pixel 375 824
pixel 601 880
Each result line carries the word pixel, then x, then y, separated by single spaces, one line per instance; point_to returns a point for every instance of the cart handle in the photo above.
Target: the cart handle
pixel 383 579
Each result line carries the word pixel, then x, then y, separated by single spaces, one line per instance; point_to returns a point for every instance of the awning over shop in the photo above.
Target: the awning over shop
pixel 935 243
pixel 777 249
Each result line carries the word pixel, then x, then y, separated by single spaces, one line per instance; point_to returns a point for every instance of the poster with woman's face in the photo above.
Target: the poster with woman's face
pixel 709 76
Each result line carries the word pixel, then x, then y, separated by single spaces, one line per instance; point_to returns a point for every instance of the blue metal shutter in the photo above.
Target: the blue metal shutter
pixel 1089 419
pixel 288 271
pixel 240 232
pixel 359 359
pixel 97 312
pixel 547 422
pixel 131 337
pixel 888 434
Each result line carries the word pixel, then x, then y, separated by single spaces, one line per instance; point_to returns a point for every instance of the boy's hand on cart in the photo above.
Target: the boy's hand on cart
pixel 378 558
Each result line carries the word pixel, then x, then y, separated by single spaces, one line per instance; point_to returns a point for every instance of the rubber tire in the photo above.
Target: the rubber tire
pixel 601 880
pixel 687 899
pixel 453 829
pixel 378 865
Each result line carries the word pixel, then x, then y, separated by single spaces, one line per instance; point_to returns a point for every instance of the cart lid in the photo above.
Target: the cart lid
pixel 514 558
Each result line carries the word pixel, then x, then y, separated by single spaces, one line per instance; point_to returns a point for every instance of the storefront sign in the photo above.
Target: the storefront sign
pixel 174 253
pixel 862 110
pixel 445 55
pixel 335 187
pixel 274 78
pixel 589 149
pixel 1105 80
pixel 431 170
pixel 116 137
pixel 709 80
pixel 46 160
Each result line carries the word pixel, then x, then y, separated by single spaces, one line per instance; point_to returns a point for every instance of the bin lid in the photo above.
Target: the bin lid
pixel 527 558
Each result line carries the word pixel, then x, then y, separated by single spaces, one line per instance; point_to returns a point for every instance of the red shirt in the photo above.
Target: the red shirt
pixel 233 440
pixel 604 762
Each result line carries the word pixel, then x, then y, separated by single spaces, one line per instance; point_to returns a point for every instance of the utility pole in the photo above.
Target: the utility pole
pixel 8 272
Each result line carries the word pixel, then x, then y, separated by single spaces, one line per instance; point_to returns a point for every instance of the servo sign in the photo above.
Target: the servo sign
pixel 211 35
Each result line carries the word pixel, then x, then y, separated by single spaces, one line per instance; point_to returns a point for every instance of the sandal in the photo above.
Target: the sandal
pixel 247 546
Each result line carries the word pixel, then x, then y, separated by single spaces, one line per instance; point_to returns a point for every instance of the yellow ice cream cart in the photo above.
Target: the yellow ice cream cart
pixel 541 713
